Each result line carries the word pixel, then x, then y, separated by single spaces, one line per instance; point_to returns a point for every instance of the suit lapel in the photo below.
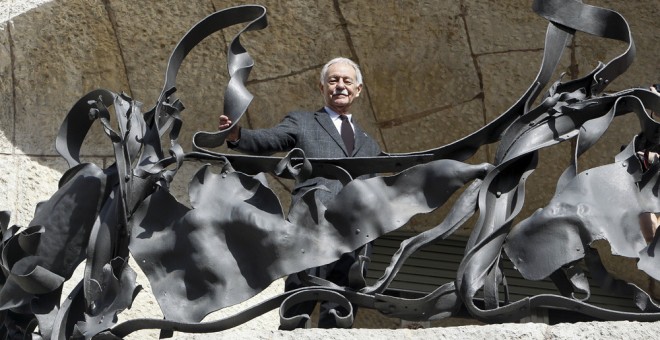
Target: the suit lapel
pixel 326 123
pixel 360 138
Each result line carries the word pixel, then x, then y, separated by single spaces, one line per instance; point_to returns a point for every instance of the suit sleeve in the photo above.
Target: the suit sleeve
pixel 281 137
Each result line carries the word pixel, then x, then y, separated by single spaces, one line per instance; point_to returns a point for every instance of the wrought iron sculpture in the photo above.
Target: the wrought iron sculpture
pixel 201 258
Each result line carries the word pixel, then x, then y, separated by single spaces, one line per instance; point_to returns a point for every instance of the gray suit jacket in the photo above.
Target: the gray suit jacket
pixel 316 135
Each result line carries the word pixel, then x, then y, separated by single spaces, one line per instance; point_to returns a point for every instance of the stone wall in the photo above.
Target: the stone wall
pixel 529 331
pixel 434 72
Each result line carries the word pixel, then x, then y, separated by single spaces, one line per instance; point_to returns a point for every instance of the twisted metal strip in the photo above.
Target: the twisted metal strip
pixel 498 206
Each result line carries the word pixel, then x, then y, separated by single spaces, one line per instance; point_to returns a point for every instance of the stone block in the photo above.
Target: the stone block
pixel 10 9
pixel 503 26
pixel 435 129
pixel 6 8
pixel 6 91
pixel 300 35
pixel 415 55
pixel 509 331
pixel 9 184
pixel 146 37
pixel 62 50
pixel 604 330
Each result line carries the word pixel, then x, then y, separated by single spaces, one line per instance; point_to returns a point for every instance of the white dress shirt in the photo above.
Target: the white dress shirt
pixel 337 121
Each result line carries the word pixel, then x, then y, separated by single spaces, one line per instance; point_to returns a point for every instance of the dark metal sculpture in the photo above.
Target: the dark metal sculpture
pixel 201 259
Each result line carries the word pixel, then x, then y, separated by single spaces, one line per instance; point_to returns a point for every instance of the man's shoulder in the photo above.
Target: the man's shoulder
pixel 304 113
pixel 304 116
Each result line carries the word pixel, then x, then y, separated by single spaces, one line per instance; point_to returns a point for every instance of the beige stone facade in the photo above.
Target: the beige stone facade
pixel 434 71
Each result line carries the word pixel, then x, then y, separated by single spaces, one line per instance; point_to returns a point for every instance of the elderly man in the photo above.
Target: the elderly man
pixel 329 132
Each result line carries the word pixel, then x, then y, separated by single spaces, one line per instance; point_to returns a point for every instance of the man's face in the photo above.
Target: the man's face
pixel 340 87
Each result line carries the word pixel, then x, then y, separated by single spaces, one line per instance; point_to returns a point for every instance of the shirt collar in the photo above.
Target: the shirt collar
pixel 334 115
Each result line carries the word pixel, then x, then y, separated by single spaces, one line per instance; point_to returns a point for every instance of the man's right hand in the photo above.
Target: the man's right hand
pixel 224 123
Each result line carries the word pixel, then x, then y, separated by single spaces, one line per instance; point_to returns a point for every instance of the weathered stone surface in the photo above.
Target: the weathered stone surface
pixel 300 35
pixel 8 184
pixel 37 181
pixel 6 84
pixel 403 78
pixel 5 9
pixel 11 8
pixel 147 34
pixel 605 330
pixel 503 26
pixel 56 63
pixel 434 129
pixel 534 331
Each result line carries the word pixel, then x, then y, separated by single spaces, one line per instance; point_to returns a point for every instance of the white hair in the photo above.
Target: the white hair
pixel 342 60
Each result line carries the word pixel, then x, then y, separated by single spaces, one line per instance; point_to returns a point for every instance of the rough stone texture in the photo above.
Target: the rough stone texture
pixel 435 128
pixel 203 75
pixel 6 85
pixel 438 68
pixel 56 62
pixel 12 8
pixel 298 37
pixel 434 71
pixel 524 29
pixel 8 184
pixel 532 331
